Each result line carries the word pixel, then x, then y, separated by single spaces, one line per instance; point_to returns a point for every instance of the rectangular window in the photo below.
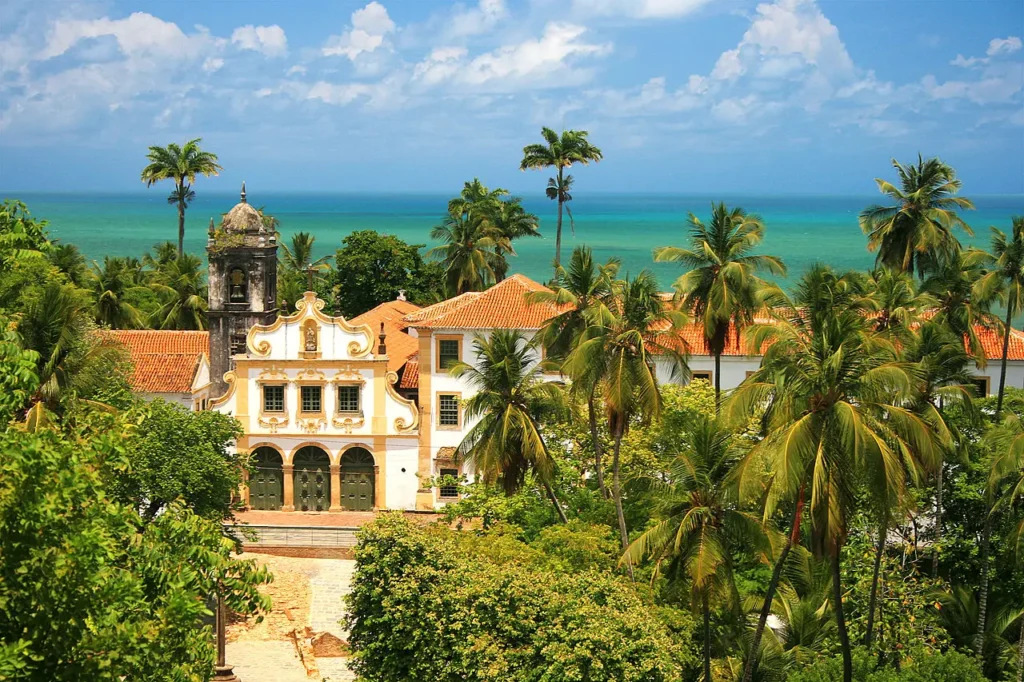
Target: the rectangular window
pixel 449 490
pixel 706 376
pixel 273 398
pixel 311 399
pixel 980 386
pixel 447 353
pixel 448 410
pixel 238 344
pixel 348 398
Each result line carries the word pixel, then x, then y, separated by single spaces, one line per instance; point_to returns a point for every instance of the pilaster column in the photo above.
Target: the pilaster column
pixel 378 489
pixel 425 495
pixel 335 488
pixel 243 490
pixel 289 489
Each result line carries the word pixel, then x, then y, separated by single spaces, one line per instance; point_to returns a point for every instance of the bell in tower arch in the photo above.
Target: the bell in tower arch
pixel 236 281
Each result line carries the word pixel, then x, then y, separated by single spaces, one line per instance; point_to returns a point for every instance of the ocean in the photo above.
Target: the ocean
pixel 801 230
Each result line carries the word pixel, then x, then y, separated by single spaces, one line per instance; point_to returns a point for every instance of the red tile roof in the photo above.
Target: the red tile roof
pixel 400 345
pixel 503 306
pixel 411 375
pixel 164 361
pixel 992 342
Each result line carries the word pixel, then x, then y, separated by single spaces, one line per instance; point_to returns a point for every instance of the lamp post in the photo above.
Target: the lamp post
pixel 222 671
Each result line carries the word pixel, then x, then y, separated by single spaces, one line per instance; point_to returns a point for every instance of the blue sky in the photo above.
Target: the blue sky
pixel 737 96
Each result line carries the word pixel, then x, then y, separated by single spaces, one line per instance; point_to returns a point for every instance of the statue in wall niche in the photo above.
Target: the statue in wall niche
pixel 310 338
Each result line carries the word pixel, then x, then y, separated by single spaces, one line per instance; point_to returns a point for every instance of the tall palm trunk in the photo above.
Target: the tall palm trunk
pixel 1020 653
pixel 707 635
pixel 181 224
pixel 837 605
pixel 1006 350
pixel 938 521
pixel 554 501
pixel 598 453
pixel 617 494
pixel 979 634
pixel 875 573
pixel 558 227
pixel 718 382
pixel 773 584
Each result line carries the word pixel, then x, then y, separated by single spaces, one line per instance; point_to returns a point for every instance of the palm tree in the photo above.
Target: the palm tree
pixel 469 249
pixel 181 164
pixel 510 401
pixel 110 286
pixel 180 286
pixel 161 255
pixel 896 303
pixel 721 288
pixel 1005 279
pixel 831 391
pixel 512 221
pixel 618 353
pixel 560 152
pixel 69 260
pixel 582 292
pixel 960 303
pixel 700 518
pixel 296 259
pixel 917 230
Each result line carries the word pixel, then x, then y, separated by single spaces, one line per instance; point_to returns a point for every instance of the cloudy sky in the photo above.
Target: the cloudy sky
pixel 781 96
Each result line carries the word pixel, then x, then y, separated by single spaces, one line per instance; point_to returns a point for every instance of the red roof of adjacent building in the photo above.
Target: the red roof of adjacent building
pixel 411 375
pixel 164 361
pixel 399 344
pixel 503 306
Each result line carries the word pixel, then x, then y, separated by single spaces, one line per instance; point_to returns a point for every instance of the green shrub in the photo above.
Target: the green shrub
pixel 951 666
pixel 428 604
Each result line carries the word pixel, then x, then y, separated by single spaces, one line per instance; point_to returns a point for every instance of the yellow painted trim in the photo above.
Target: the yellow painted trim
pixel 400 424
pixel 424 496
pixel 380 400
pixel 242 402
pixel 437 346
pixel 309 307
pixel 330 455
pixel 381 460
pixel 448 427
pixel 229 377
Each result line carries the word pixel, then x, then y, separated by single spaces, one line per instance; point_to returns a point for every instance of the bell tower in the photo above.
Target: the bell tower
pixel 242 285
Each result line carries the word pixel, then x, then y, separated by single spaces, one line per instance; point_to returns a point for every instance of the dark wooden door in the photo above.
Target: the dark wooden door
pixel 266 488
pixel 357 490
pixel 312 479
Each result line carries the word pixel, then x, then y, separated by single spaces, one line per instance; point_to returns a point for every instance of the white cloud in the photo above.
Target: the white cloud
pixel 640 9
pixel 212 64
pixel 370 25
pixel 995 85
pixel 969 62
pixel 270 40
pixel 477 20
pixel 298 69
pixel 139 34
pixel 1004 46
pixel 536 62
pixel 794 31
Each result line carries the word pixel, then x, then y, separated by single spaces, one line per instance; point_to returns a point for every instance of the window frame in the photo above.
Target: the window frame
pixel 986 381
pixel 703 374
pixel 458 403
pixel 441 488
pixel 359 399
pixel 284 398
pixel 302 399
pixel 457 338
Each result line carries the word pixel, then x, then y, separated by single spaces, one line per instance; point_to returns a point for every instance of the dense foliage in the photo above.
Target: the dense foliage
pixel 521 616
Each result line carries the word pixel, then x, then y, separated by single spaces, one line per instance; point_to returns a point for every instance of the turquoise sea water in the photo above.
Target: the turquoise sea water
pixel 801 230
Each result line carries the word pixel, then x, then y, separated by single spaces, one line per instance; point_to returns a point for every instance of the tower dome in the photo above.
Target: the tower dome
pixel 243 218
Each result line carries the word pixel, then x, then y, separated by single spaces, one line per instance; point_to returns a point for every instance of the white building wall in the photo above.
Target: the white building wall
pixel 401 482
pixel 183 399
pixel 1014 374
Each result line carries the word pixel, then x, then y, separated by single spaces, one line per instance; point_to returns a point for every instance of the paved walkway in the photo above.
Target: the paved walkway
pixel 325 519
pixel 275 660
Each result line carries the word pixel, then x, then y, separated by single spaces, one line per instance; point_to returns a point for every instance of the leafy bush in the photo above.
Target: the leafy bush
pixel 939 667
pixel 428 604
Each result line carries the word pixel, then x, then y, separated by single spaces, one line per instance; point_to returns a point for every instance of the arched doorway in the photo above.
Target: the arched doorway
pixel 266 482
pixel 357 474
pixel 312 476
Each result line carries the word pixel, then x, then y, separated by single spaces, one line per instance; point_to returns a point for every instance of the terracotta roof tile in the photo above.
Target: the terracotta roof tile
pixel 400 345
pixel 992 343
pixel 411 375
pixel 164 361
pixel 503 306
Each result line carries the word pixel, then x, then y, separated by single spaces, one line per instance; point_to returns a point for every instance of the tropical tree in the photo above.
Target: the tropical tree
pixel 896 303
pixel 916 230
pixel 21 236
pixel 296 260
pixel 160 256
pixel 721 289
pixel 182 164
pixel 582 292
pixel 618 352
pixel 510 401
pixel 512 221
pixel 960 304
pixel 468 250
pixel 560 152
pixel 111 287
pixel 182 291
pixel 831 393
pixel 1004 278
pixel 699 519
pixel 69 260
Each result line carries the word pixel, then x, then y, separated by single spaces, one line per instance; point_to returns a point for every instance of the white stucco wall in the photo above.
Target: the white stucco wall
pixel 401 486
